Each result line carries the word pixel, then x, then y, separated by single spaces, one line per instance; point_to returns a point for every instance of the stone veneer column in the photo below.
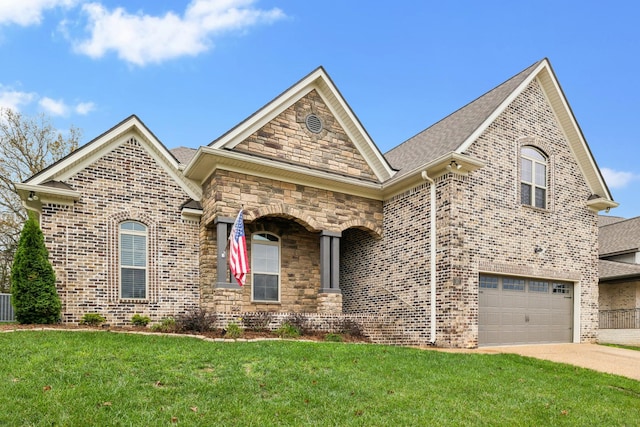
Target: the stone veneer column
pixel 330 295
pixel 227 295
pixel 222 227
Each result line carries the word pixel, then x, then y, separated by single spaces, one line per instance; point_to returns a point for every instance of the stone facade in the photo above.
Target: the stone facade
pixel 125 184
pixel 297 215
pixel 286 138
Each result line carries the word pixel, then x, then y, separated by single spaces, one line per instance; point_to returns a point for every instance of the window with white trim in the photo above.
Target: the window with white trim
pixel 133 260
pixel 265 267
pixel 533 177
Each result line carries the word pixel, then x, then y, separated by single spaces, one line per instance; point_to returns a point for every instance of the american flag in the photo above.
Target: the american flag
pixel 238 251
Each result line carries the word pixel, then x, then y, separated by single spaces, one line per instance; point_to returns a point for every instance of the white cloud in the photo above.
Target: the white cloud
pixel 14 99
pixel 17 100
pixel 28 12
pixel 142 39
pixel 84 108
pixel 53 106
pixel 618 179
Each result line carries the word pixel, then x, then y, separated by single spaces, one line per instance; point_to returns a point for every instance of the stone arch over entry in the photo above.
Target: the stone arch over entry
pixel 362 224
pixel 284 211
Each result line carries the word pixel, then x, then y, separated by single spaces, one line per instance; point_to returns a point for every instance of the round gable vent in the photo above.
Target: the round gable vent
pixel 314 124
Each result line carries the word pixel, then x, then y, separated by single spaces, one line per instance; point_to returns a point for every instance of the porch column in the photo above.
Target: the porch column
pixel 330 262
pixel 330 295
pixel 222 273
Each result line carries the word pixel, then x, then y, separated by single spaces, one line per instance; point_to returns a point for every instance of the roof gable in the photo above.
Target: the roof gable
pixel 102 145
pixel 458 131
pixel 287 138
pixel 320 82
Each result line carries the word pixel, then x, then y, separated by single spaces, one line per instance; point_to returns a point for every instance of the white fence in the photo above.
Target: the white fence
pixel 6 309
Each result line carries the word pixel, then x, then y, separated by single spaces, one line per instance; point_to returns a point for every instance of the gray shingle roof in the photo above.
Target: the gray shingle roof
pixel 610 270
pixel 192 204
pixel 608 219
pixel 619 237
pixel 449 133
pixel 183 154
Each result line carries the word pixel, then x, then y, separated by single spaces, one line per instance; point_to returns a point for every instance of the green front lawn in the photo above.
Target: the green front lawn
pixel 61 378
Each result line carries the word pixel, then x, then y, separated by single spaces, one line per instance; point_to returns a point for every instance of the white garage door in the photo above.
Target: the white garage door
pixel 514 310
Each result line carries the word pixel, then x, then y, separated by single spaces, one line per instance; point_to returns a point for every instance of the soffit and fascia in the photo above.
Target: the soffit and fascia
pixel 208 160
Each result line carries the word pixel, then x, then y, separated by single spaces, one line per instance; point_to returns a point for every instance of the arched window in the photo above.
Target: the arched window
pixel 133 260
pixel 265 260
pixel 533 177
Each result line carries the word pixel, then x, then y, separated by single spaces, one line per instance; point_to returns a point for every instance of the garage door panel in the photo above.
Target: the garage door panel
pixel 514 299
pixel 539 312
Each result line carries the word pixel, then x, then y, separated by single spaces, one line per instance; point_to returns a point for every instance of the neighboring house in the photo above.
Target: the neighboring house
pixel 480 230
pixel 619 300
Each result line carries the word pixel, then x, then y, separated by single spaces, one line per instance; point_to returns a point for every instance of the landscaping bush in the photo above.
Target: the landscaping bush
pixel 92 319
pixel 233 330
pixel 139 320
pixel 257 320
pixel 299 321
pixel 168 324
pixel 196 320
pixel 288 330
pixel 333 338
pixel 33 281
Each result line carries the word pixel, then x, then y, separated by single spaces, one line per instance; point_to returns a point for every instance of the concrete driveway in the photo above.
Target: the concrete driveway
pixel 601 358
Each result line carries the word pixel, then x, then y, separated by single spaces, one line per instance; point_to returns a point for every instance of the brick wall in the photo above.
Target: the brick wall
pixel 126 184
pixel 390 277
pixel 481 227
pixel 623 295
pixel 502 234
pixel 378 329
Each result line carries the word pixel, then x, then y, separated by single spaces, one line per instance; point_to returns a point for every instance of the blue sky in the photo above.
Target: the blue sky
pixel 191 70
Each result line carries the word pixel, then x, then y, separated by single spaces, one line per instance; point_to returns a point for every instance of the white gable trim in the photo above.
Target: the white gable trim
pixel 104 144
pixel 321 82
pixel 568 125
pixel 572 132
pixel 480 130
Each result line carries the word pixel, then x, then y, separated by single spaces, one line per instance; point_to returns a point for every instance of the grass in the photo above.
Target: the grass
pixel 628 347
pixel 61 378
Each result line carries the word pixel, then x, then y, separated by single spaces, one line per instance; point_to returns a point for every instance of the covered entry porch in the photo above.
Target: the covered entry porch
pixel 294 265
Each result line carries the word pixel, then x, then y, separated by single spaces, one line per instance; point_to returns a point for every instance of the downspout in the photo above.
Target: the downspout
pixel 433 237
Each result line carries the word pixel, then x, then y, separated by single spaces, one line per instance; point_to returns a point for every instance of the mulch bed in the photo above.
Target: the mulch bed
pixel 215 334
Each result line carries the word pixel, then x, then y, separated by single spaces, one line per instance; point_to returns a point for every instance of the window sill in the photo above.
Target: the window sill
pixel 266 302
pixel 134 301
pixel 536 209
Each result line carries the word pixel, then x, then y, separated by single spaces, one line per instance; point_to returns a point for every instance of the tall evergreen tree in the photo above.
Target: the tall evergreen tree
pixel 27 145
pixel 33 281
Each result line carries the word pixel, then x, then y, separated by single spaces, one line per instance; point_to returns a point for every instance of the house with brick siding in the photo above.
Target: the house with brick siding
pixel 480 230
pixel 619 299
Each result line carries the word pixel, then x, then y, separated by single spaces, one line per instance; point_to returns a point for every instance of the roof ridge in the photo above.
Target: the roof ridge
pixel 621 221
